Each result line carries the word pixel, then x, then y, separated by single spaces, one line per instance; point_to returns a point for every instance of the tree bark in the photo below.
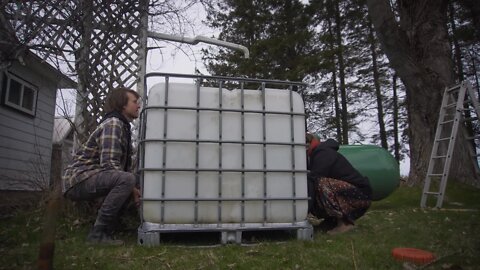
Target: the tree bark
pixel 419 51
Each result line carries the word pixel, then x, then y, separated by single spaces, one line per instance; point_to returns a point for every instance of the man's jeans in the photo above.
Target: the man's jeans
pixel 115 185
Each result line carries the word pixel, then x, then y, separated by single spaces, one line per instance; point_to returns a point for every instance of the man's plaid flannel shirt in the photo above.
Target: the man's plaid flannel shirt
pixel 105 149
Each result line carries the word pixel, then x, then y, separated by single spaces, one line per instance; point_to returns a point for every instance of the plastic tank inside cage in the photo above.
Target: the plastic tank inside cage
pixel 217 156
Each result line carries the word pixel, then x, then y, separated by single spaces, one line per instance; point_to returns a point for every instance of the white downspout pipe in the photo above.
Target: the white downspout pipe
pixel 198 39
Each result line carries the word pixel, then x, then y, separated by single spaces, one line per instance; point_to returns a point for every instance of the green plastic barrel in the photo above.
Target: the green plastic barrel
pixel 377 164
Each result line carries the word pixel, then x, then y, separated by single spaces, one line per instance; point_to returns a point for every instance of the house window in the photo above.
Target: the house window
pixel 19 94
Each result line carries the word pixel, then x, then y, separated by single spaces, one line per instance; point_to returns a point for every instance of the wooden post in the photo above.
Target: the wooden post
pixel 47 246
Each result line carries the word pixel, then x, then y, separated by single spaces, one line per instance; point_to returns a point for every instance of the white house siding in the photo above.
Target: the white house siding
pixel 26 141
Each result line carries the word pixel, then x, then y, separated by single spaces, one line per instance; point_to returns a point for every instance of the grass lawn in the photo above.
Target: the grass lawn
pixel 452 234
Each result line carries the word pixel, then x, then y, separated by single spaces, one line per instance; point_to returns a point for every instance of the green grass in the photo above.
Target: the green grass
pixel 452 234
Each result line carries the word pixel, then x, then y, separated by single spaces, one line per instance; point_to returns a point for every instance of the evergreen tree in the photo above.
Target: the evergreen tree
pixel 368 87
pixel 371 68
pixel 278 34
pixel 339 56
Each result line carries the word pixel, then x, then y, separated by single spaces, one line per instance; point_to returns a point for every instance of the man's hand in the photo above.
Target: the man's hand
pixel 136 196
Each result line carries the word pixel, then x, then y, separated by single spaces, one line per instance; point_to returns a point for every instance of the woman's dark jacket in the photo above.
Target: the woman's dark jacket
pixel 325 161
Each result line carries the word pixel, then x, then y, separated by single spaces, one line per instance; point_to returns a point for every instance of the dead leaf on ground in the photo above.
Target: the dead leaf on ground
pixel 252 252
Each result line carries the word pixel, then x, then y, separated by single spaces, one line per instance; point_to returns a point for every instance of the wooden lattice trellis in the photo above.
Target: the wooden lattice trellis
pixel 102 42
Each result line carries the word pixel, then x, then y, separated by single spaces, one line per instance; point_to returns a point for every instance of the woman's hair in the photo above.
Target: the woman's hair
pixel 117 98
pixel 309 137
pixel 312 142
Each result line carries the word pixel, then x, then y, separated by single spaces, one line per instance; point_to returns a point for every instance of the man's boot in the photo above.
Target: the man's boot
pixel 102 236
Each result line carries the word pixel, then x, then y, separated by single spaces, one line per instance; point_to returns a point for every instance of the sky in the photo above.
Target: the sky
pixel 176 57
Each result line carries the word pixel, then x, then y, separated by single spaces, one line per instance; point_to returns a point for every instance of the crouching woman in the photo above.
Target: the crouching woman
pixel 339 192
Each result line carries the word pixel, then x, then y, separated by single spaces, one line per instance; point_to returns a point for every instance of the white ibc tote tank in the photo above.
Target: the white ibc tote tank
pixel 214 157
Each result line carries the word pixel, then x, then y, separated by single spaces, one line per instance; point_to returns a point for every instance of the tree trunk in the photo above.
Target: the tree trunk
pixel 418 49
pixel 474 8
pixel 474 71
pixel 396 141
pixel 459 65
pixel 83 118
pixel 341 67
pixel 376 82
pixel 456 46
pixel 338 126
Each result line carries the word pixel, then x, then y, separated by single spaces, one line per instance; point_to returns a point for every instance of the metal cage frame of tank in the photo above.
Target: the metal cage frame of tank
pixel 149 233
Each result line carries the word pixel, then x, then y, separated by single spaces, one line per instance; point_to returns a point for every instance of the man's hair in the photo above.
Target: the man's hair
pixel 117 98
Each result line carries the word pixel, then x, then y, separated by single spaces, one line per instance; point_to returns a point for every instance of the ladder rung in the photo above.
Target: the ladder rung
pixel 443 139
pixel 451 116
pixel 451 105
pixel 446 122
pixel 451 89
pixel 435 174
pixel 439 156
pixel 432 193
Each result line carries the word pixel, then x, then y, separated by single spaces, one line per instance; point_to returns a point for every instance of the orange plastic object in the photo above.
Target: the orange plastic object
pixel 414 255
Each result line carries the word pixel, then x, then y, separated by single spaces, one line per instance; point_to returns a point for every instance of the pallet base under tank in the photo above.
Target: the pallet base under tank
pixel 151 234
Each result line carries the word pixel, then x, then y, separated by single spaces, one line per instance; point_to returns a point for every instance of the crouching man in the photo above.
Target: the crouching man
pixel 101 167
